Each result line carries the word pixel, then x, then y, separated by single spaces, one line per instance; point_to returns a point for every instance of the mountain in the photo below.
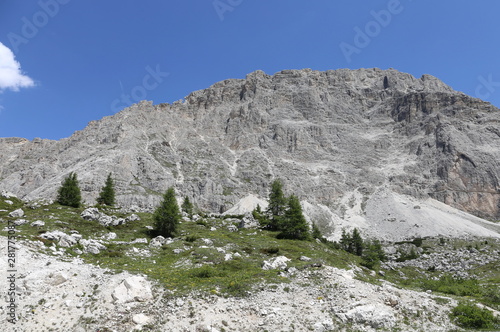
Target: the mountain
pixel 354 145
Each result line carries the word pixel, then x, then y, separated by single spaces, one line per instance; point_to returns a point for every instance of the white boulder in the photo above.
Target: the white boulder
pixel 276 263
pixel 16 213
pixel 133 289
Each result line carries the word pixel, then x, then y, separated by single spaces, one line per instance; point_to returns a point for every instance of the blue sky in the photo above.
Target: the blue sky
pixel 64 63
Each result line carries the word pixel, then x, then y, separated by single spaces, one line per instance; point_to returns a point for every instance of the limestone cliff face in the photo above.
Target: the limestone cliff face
pixel 326 134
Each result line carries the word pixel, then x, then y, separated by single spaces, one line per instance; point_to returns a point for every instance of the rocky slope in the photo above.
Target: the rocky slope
pixel 57 289
pixel 338 139
pixel 72 296
pixel 98 270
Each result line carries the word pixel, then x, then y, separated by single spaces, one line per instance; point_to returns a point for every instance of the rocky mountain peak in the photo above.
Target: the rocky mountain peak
pixel 337 139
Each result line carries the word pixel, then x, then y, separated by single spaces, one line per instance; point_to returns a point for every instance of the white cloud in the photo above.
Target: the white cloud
pixel 11 76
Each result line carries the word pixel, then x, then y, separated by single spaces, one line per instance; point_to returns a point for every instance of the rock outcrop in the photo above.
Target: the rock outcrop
pixel 335 138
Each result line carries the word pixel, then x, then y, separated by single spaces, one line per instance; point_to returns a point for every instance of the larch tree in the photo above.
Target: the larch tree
pixel 187 206
pixel 277 205
pixel 167 216
pixel 69 193
pixel 293 225
pixel 107 195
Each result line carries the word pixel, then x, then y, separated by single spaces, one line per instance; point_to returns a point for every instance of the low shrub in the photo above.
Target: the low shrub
pixel 468 315
pixel 450 285
pixel 270 251
pixel 407 256
pixel 191 238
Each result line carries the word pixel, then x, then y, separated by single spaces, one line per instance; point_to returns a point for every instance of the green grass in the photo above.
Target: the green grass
pixel 470 316
pixel 198 267
pixel 5 206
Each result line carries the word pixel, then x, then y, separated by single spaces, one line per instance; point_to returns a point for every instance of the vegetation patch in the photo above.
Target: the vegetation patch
pixel 470 316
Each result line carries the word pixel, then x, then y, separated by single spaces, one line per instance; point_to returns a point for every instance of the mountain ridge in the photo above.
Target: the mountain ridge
pixel 335 138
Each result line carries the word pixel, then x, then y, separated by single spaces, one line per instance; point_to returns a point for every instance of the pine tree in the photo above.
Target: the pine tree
pixel 107 195
pixel 277 205
pixel 357 243
pixel 167 215
pixel 259 216
pixel 293 224
pixel 376 246
pixel 187 206
pixel 69 193
pixel 346 241
pixel 373 254
pixel 316 233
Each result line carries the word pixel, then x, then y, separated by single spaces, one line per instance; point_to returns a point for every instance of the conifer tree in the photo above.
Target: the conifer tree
pixel 187 206
pixel 107 195
pixel 167 215
pixel 69 193
pixel 277 205
pixel 346 241
pixel 373 254
pixel 352 243
pixel 357 243
pixel 316 233
pixel 293 224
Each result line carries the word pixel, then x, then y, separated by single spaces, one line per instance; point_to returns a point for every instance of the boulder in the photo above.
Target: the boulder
pixel 133 289
pixel 232 228
pixel 109 236
pixel 20 222
pixel 376 316
pixel 16 213
pixel 208 242
pixel 157 241
pixel 90 214
pixel 140 319
pixel 132 217
pixel 95 215
pixel 92 246
pixel 62 239
pixel 249 222
pixel 105 220
pixel 38 223
pixel 276 263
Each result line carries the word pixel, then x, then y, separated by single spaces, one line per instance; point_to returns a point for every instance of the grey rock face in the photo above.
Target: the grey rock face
pixel 327 135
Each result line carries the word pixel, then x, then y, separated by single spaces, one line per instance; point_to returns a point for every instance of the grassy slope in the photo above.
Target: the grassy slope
pixel 202 267
pixel 199 266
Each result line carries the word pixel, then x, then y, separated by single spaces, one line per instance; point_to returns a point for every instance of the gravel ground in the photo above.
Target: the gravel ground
pixel 57 295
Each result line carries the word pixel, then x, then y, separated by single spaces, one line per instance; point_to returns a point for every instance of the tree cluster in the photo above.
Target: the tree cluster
pixel 370 251
pixel 69 193
pixel 166 217
pixel 283 214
